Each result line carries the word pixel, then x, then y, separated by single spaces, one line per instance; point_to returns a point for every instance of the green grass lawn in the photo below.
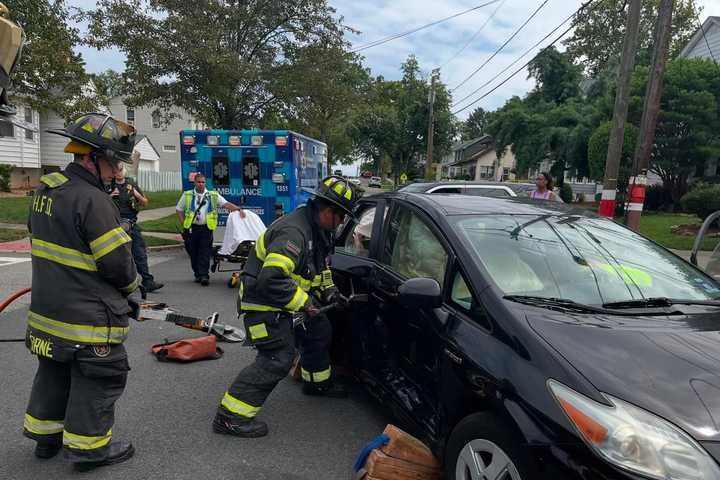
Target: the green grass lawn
pixel 14 209
pixel 656 226
pixel 11 234
pixel 151 241
pixel 169 224
pixel 163 199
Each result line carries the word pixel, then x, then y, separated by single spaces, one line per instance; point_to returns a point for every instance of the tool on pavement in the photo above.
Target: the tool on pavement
pixel 210 325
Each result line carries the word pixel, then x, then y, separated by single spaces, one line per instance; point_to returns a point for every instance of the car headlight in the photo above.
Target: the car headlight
pixel 634 439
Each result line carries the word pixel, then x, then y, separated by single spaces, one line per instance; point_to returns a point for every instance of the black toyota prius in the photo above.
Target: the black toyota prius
pixel 531 340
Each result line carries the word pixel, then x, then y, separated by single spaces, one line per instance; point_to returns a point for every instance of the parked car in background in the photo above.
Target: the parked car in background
pixel 483 189
pixel 354 180
pixel 366 174
pixel 338 173
pixel 375 182
pixel 530 341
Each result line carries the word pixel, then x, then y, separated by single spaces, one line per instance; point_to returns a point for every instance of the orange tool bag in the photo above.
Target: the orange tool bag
pixel 188 350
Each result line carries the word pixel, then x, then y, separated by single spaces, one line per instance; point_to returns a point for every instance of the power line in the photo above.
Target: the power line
pixel 516 60
pixel 537 10
pixel 409 32
pixel 482 27
pixel 557 39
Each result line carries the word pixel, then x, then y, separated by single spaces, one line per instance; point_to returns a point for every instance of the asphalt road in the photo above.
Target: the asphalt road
pixel 167 408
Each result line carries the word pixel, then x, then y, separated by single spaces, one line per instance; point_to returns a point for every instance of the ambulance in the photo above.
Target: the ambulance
pixel 262 170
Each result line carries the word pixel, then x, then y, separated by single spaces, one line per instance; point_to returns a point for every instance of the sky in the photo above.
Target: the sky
pixel 437 46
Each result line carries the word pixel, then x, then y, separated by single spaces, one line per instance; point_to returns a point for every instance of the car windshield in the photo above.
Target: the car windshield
pixel 586 260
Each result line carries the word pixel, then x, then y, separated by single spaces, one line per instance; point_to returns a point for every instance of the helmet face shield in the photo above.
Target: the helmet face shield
pixel 114 138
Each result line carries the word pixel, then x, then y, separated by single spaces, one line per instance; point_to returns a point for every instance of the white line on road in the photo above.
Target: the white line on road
pixel 5 261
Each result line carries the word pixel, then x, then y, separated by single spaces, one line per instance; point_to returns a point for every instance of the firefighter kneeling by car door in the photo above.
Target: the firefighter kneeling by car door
pixel 82 273
pixel 288 275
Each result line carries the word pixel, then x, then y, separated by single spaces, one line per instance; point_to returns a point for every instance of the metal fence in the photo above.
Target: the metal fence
pixel 151 181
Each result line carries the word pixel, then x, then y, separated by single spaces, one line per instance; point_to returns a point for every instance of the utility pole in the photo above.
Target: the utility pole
pixel 617 133
pixel 431 124
pixel 651 110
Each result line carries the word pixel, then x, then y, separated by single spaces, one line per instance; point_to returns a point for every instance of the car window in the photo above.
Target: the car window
pixel 447 190
pixel 357 241
pixel 486 192
pixel 460 293
pixel 412 249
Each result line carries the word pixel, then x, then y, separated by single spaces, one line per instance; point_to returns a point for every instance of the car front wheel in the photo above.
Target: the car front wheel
pixel 481 447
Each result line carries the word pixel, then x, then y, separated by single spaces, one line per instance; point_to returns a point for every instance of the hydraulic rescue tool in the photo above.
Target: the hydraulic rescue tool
pixel 210 325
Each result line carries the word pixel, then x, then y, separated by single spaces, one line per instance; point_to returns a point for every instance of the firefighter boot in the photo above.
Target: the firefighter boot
pixel 47 450
pixel 118 452
pixel 250 428
pixel 326 389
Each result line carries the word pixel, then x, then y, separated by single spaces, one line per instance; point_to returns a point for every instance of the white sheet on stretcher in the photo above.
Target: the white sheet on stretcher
pixel 237 230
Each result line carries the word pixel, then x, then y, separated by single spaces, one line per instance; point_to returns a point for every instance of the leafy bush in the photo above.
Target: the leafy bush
pixel 566 193
pixel 702 201
pixel 656 197
pixel 5 171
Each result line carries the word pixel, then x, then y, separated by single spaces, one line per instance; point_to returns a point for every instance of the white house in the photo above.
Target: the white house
pixel 477 160
pixel 149 156
pixel 165 137
pixel 21 148
pixel 705 43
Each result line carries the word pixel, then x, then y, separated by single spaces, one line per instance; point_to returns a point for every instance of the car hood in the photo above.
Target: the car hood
pixel 668 365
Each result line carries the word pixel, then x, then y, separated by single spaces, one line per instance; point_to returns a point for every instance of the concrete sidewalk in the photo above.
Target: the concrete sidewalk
pixel 155 213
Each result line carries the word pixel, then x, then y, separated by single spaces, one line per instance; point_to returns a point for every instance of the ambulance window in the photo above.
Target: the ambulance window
pixel 221 170
pixel 251 171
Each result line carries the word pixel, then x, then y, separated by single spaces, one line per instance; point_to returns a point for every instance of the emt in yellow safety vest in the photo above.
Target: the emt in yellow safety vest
pixel 197 211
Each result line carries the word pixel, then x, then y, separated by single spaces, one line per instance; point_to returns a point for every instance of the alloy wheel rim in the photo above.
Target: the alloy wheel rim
pixel 482 459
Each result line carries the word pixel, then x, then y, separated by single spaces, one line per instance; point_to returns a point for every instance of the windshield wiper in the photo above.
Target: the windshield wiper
pixel 555 303
pixel 566 305
pixel 659 302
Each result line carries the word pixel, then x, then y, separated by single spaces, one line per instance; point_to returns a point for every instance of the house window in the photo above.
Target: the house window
pixel 130 116
pixel 7 129
pixel 156 119
pixel 29 134
pixel 485 171
pixel 169 148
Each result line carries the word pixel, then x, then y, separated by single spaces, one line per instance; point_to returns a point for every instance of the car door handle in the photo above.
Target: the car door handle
pixel 452 356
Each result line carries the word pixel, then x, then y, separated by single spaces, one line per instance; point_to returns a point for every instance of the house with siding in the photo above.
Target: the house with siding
pixel 705 43
pixel 477 160
pixel 165 138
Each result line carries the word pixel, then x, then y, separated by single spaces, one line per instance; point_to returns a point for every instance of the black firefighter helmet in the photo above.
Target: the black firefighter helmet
pixel 100 132
pixel 338 192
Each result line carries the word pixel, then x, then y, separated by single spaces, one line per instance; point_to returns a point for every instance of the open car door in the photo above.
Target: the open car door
pixel 713 265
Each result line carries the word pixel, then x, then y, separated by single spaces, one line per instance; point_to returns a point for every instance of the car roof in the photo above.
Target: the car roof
pixel 449 205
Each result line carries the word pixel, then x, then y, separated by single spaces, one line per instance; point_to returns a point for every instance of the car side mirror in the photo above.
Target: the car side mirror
pixel 420 293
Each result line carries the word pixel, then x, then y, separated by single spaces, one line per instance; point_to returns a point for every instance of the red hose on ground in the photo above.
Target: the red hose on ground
pixel 4 305
pixel 13 297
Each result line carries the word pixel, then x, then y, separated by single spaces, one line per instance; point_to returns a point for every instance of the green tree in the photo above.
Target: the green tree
pixel 225 62
pixel 596 41
pixel 324 85
pixel 108 85
pixel 474 126
pixel 553 122
pixel 688 129
pixel 597 153
pixel 394 123
pixel 49 76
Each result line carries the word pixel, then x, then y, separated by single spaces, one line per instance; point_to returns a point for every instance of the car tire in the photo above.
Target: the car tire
pixel 487 445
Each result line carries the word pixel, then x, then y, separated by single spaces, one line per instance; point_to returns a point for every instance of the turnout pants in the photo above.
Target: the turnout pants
pixel 198 244
pixel 73 403
pixel 272 334
pixel 139 253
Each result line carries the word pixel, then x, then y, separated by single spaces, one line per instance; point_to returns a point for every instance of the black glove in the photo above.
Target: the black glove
pixel 310 309
pixel 134 308
pixel 333 296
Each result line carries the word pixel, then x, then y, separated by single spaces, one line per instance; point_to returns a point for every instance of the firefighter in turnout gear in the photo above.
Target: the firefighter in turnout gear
pixel 285 276
pixel 83 271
